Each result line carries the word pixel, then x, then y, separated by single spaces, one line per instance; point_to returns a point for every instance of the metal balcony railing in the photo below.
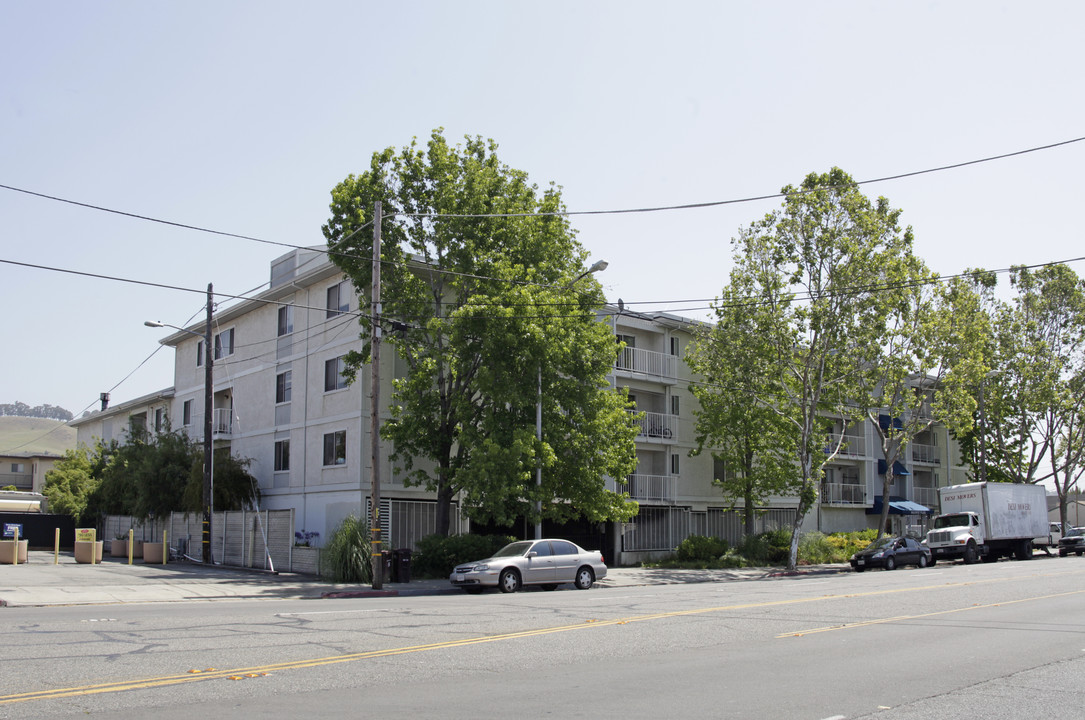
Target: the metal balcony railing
pixel 222 421
pixel 852 445
pixel 648 488
pixel 657 425
pixel 926 496
pixel 648 362
pixel 925 453
pixel 843 494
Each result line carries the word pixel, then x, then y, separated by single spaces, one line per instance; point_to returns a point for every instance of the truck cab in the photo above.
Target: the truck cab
pixel 956 535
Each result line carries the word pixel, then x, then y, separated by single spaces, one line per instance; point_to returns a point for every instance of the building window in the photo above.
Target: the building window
pixel 286 320
pixel 335 448
pixel 186 413
pixel 159 419
pixel 18 467
pixel 282 455
pixel 674 464
pixel 199 353
pixel 282 387
pixel 674 405
pixel 338 299
pixel 674 346
pixel 224 344
pixel 333 374
pixel 719 469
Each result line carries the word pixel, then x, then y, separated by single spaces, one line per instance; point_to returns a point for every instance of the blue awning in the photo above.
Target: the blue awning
pixel 898 468
pixel 898 506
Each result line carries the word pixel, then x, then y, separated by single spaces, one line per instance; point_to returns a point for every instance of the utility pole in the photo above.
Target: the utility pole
pixel 208 447
pixel 374 403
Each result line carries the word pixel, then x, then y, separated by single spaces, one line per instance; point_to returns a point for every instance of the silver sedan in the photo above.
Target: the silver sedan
pixel 547 563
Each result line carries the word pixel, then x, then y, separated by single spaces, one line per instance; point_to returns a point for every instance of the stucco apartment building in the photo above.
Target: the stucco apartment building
pixel 281 400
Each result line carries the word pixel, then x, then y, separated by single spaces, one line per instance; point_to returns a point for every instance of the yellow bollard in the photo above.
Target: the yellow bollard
pixel 131 544
pixel 15 554
pixel 165 547
pixel 56 548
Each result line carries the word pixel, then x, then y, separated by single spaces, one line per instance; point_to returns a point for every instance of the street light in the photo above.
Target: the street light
pixel 208 407
pixel 597 266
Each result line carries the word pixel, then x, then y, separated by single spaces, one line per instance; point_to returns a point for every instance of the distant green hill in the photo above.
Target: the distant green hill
pixel 34 435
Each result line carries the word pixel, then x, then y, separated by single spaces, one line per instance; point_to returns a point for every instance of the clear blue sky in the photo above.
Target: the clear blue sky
pixel 241 116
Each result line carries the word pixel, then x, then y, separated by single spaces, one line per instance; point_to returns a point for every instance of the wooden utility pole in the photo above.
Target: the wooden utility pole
pixel 208 446
pixel 374 404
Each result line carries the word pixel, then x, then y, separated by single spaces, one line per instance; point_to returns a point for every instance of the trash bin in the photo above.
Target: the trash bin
pixel 402 570
pixel 387 566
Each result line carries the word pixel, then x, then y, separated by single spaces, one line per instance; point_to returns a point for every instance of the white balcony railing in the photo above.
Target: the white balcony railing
pixel 222 421
pixel 852 445
pixel 925 453
pixel 648 362
pixel 647 489
pixel 843 494
pixel 652 488
pixel 655 425
pixel 926 496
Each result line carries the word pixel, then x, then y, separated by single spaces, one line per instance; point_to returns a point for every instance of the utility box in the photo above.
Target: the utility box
pixel 402 567
pixel 387 566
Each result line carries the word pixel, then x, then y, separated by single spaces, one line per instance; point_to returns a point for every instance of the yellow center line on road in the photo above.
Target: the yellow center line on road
pixel 899 618
pixel 168 680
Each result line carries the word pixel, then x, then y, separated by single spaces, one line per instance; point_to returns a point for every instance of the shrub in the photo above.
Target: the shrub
pixel 701 548
pixel 436 555
pixel 346 557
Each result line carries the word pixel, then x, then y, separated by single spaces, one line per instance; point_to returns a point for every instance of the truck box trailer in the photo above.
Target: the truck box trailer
pixel 986 520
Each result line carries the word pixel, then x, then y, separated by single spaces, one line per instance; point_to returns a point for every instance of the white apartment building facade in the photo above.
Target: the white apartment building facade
pixel 281 400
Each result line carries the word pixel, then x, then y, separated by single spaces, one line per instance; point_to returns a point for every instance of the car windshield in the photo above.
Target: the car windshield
pixel 513 549
pixel 886 541
pixel 1075 531
pixel 958 520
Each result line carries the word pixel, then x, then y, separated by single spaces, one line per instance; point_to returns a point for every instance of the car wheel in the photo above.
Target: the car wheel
pixel 922 560
pixel 970 553
pixel 933 562
pixel 549 586
pixel 473 589
pixel 1063 553
pixel 890 563
pixel 584 578
pixel 859 569
pixel 1078 553
pixel 509 582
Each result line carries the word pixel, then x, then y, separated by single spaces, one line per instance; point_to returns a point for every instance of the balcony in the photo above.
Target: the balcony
pixel 222 421
pixel 926 496
pixel 647 362
pixel 850 445
pixel 926 454
pixel 648 489
pixel 656 426
pixel 843 494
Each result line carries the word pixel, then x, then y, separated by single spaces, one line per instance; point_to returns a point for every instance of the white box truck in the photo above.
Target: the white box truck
pixel 986 520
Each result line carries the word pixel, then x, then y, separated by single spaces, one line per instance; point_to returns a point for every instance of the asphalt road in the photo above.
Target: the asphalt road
pixel 1004 640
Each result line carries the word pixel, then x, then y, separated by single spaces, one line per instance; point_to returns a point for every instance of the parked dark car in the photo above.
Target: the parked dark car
pixel 890 552
pixel 1072 542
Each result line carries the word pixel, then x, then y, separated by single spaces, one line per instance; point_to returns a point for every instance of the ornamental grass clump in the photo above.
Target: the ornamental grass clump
pixel 346 557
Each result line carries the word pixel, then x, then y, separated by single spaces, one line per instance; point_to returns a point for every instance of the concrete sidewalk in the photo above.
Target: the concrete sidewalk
pixel 40 582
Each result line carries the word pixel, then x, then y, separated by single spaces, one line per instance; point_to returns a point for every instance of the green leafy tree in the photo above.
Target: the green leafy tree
pixel 235 487
pixel 152 475
pixel 73 480
pixel 738 420
pixel 812 272
pixel 484 280
pixel 931 361
pixel 1035 397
